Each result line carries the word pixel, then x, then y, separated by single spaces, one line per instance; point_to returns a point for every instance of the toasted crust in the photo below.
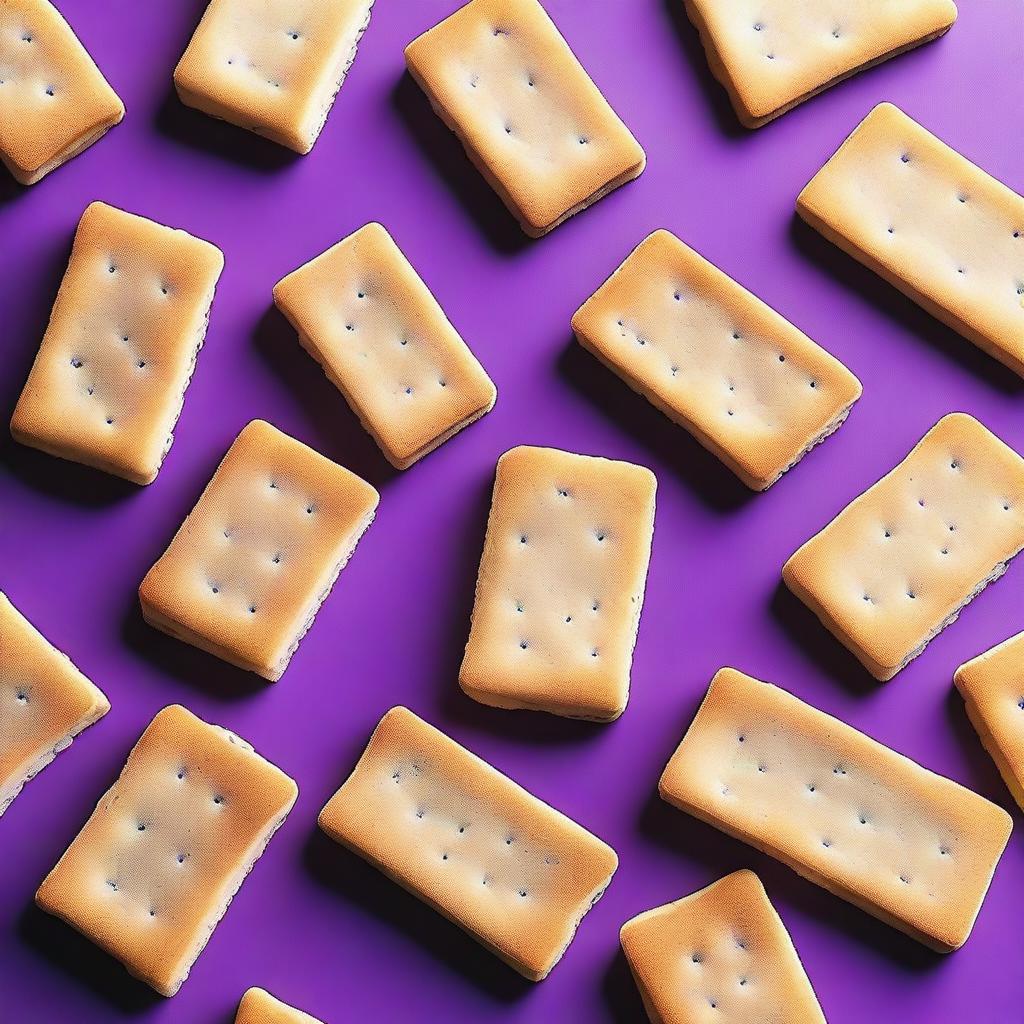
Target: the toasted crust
pixel 561 584
pixel 912 848
pixel 54 102
pixel 897 565
pixel 258 1006
pixel 44 702
pixel 772 56
pixel 108 383
pixel 501 864
pixel 723 948
pixel 500 75
pixel 750 387
pixel 272 66
pixel 366 316
pixel 993 694
pixel 247 571
pixel 155 866
pixel 931 223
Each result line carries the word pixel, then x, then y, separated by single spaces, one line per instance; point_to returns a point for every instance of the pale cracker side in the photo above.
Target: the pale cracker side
pixel 504 80
pixel 258 1006
pixel 914 849
pixel 513 872
pixel 169 844
pixel 561 584
pixel 898 564
pixel 750 387
pixel 364 314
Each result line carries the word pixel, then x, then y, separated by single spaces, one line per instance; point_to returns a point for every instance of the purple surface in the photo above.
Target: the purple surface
pixel 312 923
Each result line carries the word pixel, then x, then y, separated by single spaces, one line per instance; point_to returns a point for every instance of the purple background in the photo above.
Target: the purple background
pixel 313 923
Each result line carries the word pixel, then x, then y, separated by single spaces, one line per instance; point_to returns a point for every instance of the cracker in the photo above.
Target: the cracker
pixel 272 66
pixel 258 1006
pixel 724 949
pixel 366 316
pixel 156 865
pixel 931 223
pixel 561 584
pixel 750 387
pixel 45 702
pixel 513 872
pixel 109 380
pixel 993 694
pixel 247 571
pixel 54 102
pixel 871 826
pixel 502 78
pixel 773 54
pixel 898 564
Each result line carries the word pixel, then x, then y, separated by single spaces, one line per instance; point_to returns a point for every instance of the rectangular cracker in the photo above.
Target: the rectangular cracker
pixel 247 571
pixel 898 564
pixel 561 584
pixel 54 101
pixel 109 380
pixel 167 847
pixel 750 387
pixel 993 691
pixel 367 317
pixel 513 872
pixel 258 1006
pixel 931 223
pixel 45 702
pixel 272 66
pixel 721 949
pixel 771 55
pixel 871 826
pixel 504 80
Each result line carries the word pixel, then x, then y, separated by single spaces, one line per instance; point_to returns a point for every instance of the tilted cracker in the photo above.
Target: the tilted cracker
pixel 502 78
pixel 941 230
pixel 45 702
pixel 771 55
pixel 898 564
pixel 108 383
pixel 723 950
pixel 169 844
pixel 561 584
pixel 54 101
pixel 992 686
pixel 272 66
pixel 871 826
pixel 513 872
pixel 749 386
pixel 247 571
pixel 258 1006
pixel 366 316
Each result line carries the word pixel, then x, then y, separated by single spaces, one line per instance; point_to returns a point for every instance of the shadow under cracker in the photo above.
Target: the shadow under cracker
pixel 375 895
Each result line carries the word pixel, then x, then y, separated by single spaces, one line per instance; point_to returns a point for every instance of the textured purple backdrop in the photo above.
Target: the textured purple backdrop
pixel 312 923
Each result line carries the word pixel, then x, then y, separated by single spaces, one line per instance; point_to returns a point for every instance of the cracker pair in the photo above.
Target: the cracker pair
pixel 500 75
pixel 774 54
pixel 247 571
pixel 272 66
pixel 931 223
pixel 54 101
pixel 721 953
pixel 898 564
pixel 108 383
pixel 511 871
pixel 169 844
pixel 45 702
pixel 749 386
pixel 258 1006
pixel 366 316
pixel 561 584
pixel 914 849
